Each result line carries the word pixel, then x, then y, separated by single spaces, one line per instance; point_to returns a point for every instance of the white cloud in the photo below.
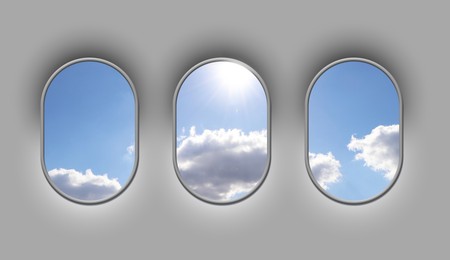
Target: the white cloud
pixel 222 165
pixel 87 186
pixel 192 131
pixel 181 136
pixel 379 150
pixel 130 149
pixel 128 156
pixel 325 168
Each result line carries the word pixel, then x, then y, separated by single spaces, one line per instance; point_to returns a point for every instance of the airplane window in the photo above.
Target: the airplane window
pixel 89 131
pixel 222 131
pixel 354 131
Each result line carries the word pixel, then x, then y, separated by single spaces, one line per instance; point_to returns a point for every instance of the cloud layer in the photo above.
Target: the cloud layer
pixel 379 150
pixel 87 186
pixel 325 168
pixel 222 165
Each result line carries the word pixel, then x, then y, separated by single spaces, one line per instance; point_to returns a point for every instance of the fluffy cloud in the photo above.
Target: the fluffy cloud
pixel 87 186
pixel 325 168
pixel 379 150
pixel 222 165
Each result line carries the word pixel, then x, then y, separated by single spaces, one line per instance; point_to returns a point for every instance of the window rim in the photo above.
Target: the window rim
pixel 174 131
pixel 306 153
pixel 136 132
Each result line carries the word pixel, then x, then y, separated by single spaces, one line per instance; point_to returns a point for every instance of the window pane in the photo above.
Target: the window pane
pixel 89 131
pixel 222 137
pixel 354 131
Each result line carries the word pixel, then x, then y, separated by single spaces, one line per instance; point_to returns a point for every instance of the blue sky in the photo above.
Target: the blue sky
pixel 89 121
pixel 351 98
pixel 221 128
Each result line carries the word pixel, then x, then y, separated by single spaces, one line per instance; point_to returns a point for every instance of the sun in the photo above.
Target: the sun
pixel 233 79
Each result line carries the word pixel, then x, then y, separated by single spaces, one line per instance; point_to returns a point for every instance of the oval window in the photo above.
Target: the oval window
pixel 354 131
pixel 222 131
pixel 89 120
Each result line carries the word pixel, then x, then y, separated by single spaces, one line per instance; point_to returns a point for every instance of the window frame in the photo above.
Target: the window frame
pixel 136 132
pixel 174 131
pixel 306 155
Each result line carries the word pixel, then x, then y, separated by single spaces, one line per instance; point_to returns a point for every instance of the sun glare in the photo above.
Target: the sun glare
pixel 234 79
